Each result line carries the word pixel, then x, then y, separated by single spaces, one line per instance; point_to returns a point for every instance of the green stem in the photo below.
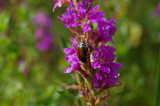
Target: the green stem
pixel 90 86
pixel 157 100
pixel 79 79
pixel 92 91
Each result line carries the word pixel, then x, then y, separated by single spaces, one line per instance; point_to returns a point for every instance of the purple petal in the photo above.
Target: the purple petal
pixel 112 31
pixel 76 16
pixel 106 69
pixel 86 28
pixel 93 21
pixel 57 4
pixel 115 66
pixel 68 70
pixel 116 75
pixel 97 15
pixel 75 65
pixel 72 4
pixel 113 21
pixel 74 43
pixel 70 11
pixel 96 84
pixel 74 24
pixel 99 76
pixel 96 64
pixel 110 48
pixel 94 9
pixel 82 9
pixel 69 51
pixel 119 66
pixel 66 57
pixel 69 58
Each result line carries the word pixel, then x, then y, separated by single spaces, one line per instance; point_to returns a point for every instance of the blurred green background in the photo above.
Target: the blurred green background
pixel 28 75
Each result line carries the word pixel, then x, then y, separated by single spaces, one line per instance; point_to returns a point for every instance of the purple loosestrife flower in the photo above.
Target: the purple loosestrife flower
pixel 43 32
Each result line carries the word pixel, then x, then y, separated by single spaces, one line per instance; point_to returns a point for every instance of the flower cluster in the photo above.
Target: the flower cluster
pixel 103 60
pixel 99 70
pixel 43 33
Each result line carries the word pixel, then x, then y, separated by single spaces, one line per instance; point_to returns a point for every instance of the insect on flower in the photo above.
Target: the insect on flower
pixel 82 50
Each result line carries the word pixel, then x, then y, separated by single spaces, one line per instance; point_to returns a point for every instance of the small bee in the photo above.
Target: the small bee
pixel 82 50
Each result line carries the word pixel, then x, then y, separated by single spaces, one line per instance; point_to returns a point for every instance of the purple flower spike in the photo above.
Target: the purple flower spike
pixel 99 69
